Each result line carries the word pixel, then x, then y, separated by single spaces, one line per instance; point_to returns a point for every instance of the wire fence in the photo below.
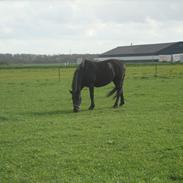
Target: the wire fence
pixel 154 70
pixel 60 72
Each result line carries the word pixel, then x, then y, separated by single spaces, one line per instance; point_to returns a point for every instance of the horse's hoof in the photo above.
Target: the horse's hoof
pixel 76 110
pixel 115 106
pixel 90 108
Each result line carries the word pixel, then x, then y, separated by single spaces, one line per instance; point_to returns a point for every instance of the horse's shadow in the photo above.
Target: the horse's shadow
pixel 66 111
pixel 49 113
pixel 56 112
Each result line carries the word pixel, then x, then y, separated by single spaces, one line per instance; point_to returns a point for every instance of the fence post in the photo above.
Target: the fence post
pixel 59 73
pixel 156 70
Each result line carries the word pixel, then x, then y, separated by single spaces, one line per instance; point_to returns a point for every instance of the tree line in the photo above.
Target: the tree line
pixel 44 59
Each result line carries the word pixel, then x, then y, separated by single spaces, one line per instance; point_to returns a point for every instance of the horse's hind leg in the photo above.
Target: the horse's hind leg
pixel 119 93
pixel 118 86
pixel 122 98
pixel 116 104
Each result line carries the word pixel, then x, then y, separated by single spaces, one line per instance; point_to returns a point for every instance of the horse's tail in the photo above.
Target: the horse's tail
pixel 111 92
pixel 115 89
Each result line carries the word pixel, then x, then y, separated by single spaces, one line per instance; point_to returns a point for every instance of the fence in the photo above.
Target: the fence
pixel 155 69
pixel 57 72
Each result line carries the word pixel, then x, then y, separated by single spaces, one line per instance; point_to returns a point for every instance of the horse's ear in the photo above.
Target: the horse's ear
pixel 70 91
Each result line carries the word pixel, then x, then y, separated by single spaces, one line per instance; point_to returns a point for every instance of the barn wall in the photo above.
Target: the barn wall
pixel 160 58
pixel 134 58
pixel 171 58
pixel 165 58
pixel 178 57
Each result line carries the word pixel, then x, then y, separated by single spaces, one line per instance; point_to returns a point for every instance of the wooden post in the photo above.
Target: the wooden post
pixel 59 73
pixel 156 70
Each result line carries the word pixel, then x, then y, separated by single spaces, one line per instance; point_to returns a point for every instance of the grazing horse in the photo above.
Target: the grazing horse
pixel 96 74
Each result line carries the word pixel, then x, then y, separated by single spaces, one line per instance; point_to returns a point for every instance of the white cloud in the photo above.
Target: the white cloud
pixel 86 25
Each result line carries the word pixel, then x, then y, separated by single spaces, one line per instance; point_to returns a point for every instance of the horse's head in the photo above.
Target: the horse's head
pixel 76 99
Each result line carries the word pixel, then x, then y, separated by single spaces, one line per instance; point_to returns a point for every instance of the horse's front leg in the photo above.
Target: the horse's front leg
pixel 92 105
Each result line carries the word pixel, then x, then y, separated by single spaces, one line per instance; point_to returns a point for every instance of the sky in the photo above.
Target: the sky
pixel 86 26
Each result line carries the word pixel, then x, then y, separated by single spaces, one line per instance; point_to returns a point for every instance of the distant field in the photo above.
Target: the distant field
pixel 41 140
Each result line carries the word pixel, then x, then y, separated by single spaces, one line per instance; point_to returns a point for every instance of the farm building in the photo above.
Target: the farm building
pixel 161 52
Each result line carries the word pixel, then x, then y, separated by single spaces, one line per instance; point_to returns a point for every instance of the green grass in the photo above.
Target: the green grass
pixel 41 140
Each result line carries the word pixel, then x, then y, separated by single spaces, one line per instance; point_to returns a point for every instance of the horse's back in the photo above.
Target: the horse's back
pixel 103 72
pixel 116 66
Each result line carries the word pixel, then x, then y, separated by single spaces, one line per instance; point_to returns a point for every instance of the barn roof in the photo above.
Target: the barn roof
pixel 137 50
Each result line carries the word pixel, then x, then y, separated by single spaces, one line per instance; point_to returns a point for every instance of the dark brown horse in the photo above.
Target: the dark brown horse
pixel 96 74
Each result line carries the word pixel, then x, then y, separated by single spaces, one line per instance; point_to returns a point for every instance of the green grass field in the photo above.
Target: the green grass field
pixel 42 140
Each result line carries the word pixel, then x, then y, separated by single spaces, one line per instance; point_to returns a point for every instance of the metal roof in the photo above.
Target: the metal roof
pixel 137 50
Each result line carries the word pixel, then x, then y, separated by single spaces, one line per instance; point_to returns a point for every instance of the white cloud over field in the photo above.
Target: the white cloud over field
pixel 86 26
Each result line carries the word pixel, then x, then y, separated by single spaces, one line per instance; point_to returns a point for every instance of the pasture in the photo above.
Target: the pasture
pixel 42 140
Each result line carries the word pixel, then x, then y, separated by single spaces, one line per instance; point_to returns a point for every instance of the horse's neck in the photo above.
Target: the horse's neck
pixel 77 85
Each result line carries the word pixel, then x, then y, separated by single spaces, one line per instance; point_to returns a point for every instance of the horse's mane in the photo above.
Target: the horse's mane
pixel 76 75
pixel 74 81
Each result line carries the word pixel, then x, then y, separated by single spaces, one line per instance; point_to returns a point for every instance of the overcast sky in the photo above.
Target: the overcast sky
pixel 86 26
